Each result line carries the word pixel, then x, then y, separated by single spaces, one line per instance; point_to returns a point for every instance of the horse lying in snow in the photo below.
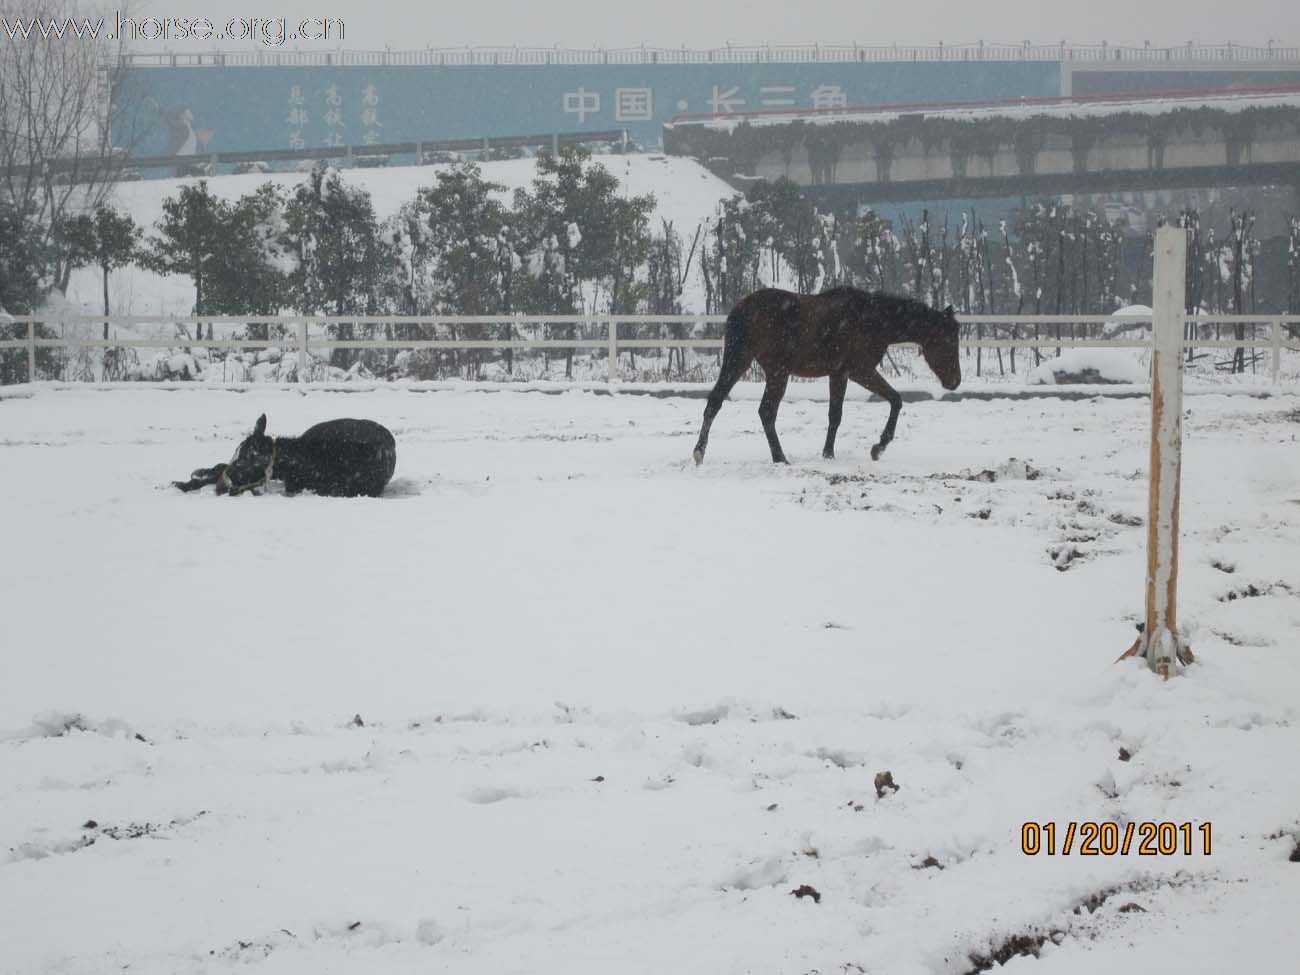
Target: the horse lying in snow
pixel 337 458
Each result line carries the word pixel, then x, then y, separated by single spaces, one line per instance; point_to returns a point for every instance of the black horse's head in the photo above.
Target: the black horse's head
pixel 940 348
pixel 252 463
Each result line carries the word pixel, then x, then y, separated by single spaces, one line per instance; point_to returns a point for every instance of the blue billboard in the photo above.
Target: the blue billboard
pixel 197 110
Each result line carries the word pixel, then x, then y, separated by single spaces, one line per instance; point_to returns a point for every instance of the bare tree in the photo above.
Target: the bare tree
pixel 61 104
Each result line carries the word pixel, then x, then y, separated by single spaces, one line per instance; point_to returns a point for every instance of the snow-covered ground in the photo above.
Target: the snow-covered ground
pixel 563 702
pixel 1110 366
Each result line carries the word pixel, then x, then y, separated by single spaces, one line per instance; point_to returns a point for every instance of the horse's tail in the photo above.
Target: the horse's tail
pixel 736 354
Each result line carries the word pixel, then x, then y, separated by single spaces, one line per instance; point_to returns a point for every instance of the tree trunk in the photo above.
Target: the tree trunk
pixel 105 267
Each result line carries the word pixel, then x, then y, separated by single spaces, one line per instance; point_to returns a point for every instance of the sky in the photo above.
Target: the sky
pixel 410 24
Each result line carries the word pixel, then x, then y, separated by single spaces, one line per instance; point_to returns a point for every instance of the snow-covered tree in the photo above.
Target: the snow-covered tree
pixel 1242 249
pixel 23 285
pixel 877 250
pixel 107 239
pixel 787 227
pixel 462 221
pixel 454 251
pixel 252 275
pixel 830 269
pixel 665 276
pixel 22 260
pixel 188 239
pixel 732 252
pixel 338 256
pixel 928 254
pixel 581 239
pixel 238 255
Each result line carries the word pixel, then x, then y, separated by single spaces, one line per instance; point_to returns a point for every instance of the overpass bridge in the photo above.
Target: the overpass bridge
pixel 1020 148
pixel 193 102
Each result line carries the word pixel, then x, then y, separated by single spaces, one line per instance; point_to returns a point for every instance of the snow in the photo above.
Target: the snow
pixel 1097 365
pixel 562 701
pixel 1082 108
pixel 1128 319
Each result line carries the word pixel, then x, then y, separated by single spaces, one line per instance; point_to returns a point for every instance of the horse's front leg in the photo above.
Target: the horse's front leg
pixel 839 383
pixel 201 478
pixel 875 383
pixel 767 413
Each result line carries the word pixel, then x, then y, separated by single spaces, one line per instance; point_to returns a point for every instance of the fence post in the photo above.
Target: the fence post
pixel 302 351
pixel 1159 642
pixel 1277 349
pixel 31 351
pixel 613 350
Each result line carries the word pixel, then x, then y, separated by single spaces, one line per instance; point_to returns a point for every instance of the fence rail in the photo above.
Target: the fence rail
pixel 298 337
pixel 750 54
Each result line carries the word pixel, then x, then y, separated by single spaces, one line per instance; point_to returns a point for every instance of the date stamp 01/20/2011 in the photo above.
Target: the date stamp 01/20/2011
pixel 1147 839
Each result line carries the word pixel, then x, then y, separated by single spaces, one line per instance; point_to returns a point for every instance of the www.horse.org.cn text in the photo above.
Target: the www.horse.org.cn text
pixel 269 31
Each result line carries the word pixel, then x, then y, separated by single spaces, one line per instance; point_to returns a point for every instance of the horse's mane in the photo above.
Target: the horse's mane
pixel 882 304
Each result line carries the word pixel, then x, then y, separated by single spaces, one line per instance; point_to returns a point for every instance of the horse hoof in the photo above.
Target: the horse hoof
pixel 699 456
pixel 876 451
pixel 828 455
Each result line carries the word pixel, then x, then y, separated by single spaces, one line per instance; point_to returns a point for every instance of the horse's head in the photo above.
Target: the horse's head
pixel 251 465
pixel 940 347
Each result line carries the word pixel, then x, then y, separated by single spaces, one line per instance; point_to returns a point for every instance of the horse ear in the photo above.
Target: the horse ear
pixel 260 427
pixel 949 312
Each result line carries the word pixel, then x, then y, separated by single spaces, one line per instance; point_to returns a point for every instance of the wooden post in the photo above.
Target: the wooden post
pixel 1159 642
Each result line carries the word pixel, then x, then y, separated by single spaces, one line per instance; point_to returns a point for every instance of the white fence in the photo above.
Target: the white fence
pixel 297 335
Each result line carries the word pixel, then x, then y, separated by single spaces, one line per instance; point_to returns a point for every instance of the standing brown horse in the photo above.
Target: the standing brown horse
pixel 842 333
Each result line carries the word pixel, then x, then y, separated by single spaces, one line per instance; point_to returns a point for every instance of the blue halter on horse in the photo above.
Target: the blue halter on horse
pixel 338 458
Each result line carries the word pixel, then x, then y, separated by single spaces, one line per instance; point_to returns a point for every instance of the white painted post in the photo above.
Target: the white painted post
pixel 302 352
pixel 613 350
pixel 31 351
pixel 1277 349
pixel 1159 642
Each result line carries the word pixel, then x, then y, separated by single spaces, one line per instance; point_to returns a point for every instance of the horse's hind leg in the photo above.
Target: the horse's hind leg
pixel 839 382
pixel 767 413
pixel 735 361
pixel 875 382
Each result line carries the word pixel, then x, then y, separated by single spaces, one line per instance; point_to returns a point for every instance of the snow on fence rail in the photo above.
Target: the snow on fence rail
pixel 297 335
